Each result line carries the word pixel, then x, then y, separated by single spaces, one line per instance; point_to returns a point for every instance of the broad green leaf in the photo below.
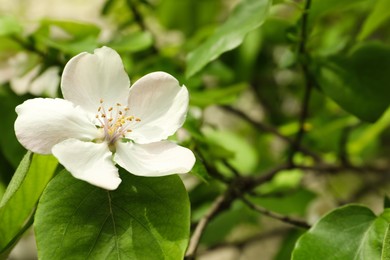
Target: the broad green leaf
pixel 134 42
pixel 247 16
pixel 358 82
pixel 22 195
pixel 88 44
pixel 9 25
pixel 377 17
pixel 145 218
pixel 349 232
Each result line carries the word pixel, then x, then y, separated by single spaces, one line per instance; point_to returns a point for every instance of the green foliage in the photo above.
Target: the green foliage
pixel 359 88
pixel 246 17
pixel 21 196
pixel 143 213
pixel 350 232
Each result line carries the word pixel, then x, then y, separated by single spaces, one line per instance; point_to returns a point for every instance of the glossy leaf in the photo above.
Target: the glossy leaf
pixel 145 218
pixel 22 194
pixel 358 82
pixel 247 16
pixel 349 232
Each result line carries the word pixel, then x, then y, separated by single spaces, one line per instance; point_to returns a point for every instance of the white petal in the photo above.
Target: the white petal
pixel 44 122
pixel 161 104
pixel 90 162
pixel 46 83
pixel 154 159
pixel 87 78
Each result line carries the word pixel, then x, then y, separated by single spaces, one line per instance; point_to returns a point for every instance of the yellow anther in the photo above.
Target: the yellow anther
pixel 120 113
pixel 127 109
pixel 101 101
pixel 118 104
pixel 104 115
pixel 110 109
pixel 129 131
pixel 100 108
pixel 97 116
pixel 138 119
pixel 110 120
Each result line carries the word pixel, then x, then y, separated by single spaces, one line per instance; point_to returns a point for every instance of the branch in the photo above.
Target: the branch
pixel 285 219
pixel 269 129
pixel 308 83
pixel 218 205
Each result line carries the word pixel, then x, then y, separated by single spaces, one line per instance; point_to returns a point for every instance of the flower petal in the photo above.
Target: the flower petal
pixel 154 159
pixel 87 161
pixel 87 78
pixel 161 104
pixel 44 122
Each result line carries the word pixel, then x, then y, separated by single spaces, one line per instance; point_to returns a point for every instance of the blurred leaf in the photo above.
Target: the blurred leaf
pixel 247 16
pixel 291 202
pixel 377 17
pixel 349 232
pixel 9 26
pixel 223 224
pixel 74 28
pixel 88 44
pixel 283 181
pixel 359 142
pixel 358 82
pixel 9 145
pixel 22 195
pixel 217 96
pixel 134 42
pixel 287 245
pixel 200 171
pixel 244 155
pixel 320 7
pixel 145 218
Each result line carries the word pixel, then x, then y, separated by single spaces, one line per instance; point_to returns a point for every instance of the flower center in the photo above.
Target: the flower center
pixel 115 122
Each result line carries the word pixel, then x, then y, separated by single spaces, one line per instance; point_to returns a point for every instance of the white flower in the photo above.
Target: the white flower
pixel 101 122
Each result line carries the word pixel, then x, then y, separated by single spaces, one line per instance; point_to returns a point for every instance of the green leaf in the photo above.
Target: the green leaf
pixel 377 17
pixel 145 218
pixel 358 82
pixel 9 25
pixel 217 96
pixel 320 7
pixel 133 42
pixel 74 28
pixel 247 16
pixel 349 232
pixel 22 195
pixel 386 245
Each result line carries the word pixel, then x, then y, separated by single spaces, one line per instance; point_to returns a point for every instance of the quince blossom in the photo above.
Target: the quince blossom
pixel 102 122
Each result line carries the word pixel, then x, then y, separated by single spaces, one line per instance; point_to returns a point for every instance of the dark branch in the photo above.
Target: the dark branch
pixel 266 212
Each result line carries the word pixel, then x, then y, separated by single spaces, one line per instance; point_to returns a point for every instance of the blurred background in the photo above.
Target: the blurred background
pixel 246 102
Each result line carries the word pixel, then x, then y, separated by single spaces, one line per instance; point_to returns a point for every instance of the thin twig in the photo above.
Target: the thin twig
pixel 269 129
pixel 266 212
pixel 216 207
pixel 308 84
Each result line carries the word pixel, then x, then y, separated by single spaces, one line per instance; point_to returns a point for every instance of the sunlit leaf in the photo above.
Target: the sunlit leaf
pixel 145 218
pixel 247 16
pixel 349 232
pixel 9 25
pixel 22 195
pixel 377 17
